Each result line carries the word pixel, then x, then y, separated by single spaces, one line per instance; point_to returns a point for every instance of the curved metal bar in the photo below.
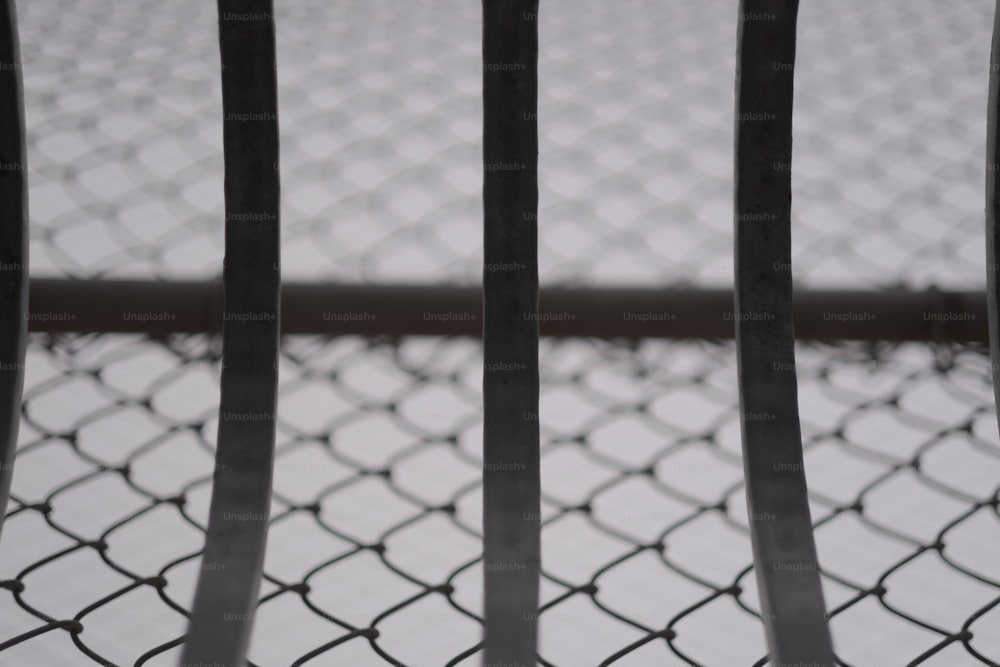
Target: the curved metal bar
pixel 511 476
pixel 13 246
pixel 784 550
pixel 226 595
pixel 992 205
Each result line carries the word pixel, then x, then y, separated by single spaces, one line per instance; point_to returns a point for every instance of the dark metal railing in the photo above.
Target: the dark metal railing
pixel 993 205
pixel 992 247
pixel 785 561
pixel 13 246
pixel 246 307
pixel 226 597
pixel 511 473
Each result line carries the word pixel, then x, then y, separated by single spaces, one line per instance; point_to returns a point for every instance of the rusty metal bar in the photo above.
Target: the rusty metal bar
pixel 511 475
pixel 785 560
pixel 185 306
pixel 13 246
pixel 226 596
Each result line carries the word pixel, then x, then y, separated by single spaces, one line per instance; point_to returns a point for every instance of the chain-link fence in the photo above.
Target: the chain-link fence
pixel 377 509
pixel 381 116
pixel 375 530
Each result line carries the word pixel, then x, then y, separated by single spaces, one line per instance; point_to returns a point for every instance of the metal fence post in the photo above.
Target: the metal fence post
pixel 511 481
pixel 13 246
pixel 784 550
pixel 226 596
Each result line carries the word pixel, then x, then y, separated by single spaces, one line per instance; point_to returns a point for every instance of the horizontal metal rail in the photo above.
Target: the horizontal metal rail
pixel 13 246
pixel 160 308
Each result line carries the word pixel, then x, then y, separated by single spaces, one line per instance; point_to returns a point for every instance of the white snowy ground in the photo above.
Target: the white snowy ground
pixel 381 121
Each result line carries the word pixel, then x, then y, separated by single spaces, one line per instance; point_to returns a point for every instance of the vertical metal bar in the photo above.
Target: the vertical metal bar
pixel 781 529
pixel 992 204
pixel 13 246
pixel 226 596
pixel 511 483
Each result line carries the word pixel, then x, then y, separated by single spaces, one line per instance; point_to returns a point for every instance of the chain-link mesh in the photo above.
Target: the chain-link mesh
pixel 382 118
pixel 375 527
pixel 376 516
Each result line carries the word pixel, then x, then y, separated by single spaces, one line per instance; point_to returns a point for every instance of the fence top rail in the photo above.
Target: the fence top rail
pixel 160 308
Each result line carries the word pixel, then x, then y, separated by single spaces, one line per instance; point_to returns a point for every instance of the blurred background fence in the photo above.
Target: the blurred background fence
pixel 374 548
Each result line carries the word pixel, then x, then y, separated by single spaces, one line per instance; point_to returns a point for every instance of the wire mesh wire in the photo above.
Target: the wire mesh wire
pixel 374 541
